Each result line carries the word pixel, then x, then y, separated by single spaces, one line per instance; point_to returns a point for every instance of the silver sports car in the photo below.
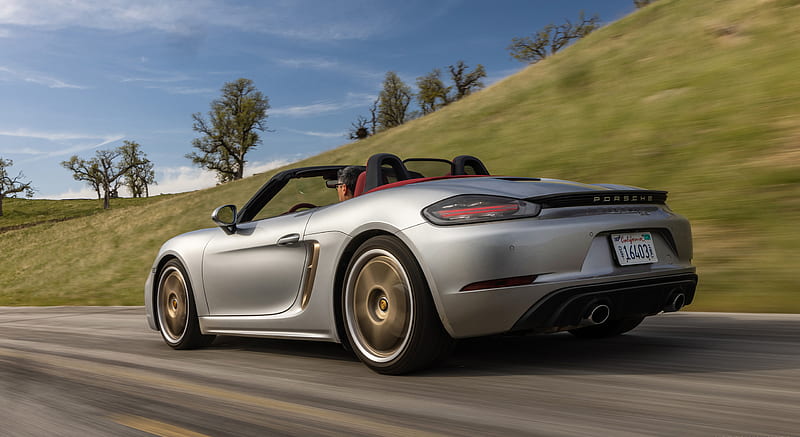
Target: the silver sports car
pixel 419 253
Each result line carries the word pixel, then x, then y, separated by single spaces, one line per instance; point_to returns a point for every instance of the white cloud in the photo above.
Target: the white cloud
pixel 313 63
pixel 330 65
pixel 183 90
pixel 175 180
pixel 352 100
pixel 182 179
pixel 39 79
pixel 22 151
pixel 185 178
pixel 83 193
pixel 321 21
pixel 158 78
pixel 67 142
pixel 56 136
pixel 261 167
pixel 319 134
pixel 308 110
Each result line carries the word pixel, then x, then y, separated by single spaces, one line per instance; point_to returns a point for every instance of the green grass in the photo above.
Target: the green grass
pixel 698 98
pixel 31 212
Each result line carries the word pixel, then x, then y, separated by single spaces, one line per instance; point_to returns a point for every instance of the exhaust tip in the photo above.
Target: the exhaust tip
pixel 676 303
pixel 599 314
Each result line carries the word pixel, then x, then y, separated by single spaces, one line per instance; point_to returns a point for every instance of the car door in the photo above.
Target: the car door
pixel 258 269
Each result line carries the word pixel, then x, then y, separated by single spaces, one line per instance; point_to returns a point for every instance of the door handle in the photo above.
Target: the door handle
pixel 288 240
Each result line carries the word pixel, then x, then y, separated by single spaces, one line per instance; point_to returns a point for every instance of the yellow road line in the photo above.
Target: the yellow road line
pixel 154 427
pixel 152 379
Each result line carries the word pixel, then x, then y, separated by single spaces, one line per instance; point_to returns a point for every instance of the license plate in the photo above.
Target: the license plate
pixel 634 248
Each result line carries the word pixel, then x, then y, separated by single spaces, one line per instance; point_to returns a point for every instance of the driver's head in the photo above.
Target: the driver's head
pixel 347 182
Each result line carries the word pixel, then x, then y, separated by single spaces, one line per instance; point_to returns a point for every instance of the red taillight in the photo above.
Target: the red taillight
pixel 476 208
pixel 479 210
pixel 500 283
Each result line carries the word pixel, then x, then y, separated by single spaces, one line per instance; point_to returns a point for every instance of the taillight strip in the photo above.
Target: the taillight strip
pixel 478 210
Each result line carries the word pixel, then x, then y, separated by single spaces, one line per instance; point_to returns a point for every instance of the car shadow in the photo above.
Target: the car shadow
pixel 658 347
pixel 307 349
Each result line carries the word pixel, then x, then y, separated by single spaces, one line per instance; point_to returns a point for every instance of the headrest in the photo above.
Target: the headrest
pixel 360 183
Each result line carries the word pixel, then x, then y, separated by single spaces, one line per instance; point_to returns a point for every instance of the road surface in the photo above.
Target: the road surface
pixel 72 371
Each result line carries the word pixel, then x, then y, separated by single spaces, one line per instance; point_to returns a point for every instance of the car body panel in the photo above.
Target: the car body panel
pixel 248 273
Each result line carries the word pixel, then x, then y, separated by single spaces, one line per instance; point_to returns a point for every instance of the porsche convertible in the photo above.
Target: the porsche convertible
pixel 425 252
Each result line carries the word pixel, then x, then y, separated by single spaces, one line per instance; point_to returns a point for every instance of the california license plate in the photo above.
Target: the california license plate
pixel 634 248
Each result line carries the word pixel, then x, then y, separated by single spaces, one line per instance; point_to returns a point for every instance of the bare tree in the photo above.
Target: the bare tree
pixel 359 129
pixel 465 83
pixel 11 187
pixel 551 39
pixel 373 116
pixel 231 129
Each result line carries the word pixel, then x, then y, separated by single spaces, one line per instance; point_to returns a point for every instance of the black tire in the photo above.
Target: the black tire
pixel 609 329
pixel 390 318
pixel 176 310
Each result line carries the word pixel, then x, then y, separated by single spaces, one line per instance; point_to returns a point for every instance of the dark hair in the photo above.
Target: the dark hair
pixel 348 176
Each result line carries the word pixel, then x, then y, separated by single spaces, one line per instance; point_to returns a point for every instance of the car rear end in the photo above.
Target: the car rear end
pixel 545 256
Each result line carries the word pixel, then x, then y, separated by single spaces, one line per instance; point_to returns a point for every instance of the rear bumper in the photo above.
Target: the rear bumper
pixel 564 253
pixel 566 308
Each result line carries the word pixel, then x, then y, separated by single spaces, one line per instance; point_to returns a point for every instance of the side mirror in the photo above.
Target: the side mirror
pixel 225 217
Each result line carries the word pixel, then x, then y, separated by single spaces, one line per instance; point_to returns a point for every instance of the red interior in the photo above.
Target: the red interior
pixel 362 177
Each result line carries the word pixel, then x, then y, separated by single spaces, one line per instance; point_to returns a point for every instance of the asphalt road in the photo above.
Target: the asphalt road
pixel 100 371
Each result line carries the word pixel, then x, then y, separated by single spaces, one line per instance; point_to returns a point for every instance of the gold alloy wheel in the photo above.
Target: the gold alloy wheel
pixel 380 305
pixel 173 304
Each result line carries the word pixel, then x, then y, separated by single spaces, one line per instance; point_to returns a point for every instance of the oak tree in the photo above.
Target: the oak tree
pixel 466 82
pixel 141 174
pixel 11 187
pixel 231 129
pixel 104 171
pixel 393 102
pixel 432 94
pixel 551 38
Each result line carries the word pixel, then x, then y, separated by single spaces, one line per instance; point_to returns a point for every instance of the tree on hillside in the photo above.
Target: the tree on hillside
pixel 373 116
pixel 432 94
pixel 103 172
pixel 365 127
pixel 231 129
pixel 84 171
pixel 359 129
pixel 466 82
pixel 551 38
pixel 11 187
pixel 642 3
pixel 141 174
pixel 393 102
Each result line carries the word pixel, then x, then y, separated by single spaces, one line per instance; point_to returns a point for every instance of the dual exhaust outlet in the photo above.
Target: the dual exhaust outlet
pixel 599 313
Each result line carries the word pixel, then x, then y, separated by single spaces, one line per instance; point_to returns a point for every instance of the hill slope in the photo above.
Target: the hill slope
pixel 698 98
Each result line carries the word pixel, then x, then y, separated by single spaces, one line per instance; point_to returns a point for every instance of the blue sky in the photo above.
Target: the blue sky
pixel 82 75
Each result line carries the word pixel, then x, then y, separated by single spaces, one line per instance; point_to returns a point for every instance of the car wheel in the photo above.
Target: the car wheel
pixel 608 329
pixel 390 319
pixel 177 314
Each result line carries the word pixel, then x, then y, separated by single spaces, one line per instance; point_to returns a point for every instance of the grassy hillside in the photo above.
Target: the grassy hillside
pixel 19 213
pixel 698 98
